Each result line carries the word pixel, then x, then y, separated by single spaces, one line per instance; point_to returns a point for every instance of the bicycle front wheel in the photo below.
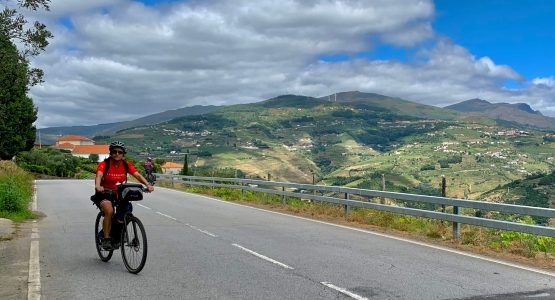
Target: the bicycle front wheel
pixel 105 255
pixel 133 244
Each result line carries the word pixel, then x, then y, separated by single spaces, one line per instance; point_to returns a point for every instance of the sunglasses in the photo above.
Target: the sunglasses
pixel 116 152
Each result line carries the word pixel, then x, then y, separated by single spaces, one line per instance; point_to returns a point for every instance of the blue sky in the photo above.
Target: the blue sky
pixel 156 55
pixel 517 33
pixel 520 34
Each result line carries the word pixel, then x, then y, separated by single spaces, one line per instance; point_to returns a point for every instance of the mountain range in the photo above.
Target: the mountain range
pixel 518 115
pixel 48 135
pixel 352 138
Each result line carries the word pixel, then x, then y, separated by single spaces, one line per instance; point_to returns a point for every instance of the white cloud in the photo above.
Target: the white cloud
pixel 548 82
pixel 123 60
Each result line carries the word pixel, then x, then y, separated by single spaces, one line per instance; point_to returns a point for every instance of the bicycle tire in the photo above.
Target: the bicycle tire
pixel 104 255
pixel 150 178
pixel 134 245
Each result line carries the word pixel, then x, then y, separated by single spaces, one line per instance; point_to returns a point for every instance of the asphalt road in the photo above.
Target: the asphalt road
pixel 203 248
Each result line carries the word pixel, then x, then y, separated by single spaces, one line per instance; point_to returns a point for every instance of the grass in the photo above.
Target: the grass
pixel 537 250
pixel 16 191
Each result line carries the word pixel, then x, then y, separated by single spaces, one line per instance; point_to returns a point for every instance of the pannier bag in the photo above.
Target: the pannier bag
pixel 131 191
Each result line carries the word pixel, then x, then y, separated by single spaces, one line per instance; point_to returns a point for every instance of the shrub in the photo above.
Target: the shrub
pixel 16 188
pixel 50 161
pixel 428 167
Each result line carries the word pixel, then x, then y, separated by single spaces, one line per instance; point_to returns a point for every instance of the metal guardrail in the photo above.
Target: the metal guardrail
pixel 455 217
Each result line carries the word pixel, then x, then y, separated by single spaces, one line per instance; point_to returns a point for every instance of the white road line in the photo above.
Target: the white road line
pixel 143 206
pixel 203 231
pixel 344 291
pixel 263 257
pixel 505 263
pixel 33 291
pixel 169 217
pixel 34 204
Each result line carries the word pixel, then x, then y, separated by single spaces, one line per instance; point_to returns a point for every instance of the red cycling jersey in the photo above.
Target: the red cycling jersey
pixel 115 175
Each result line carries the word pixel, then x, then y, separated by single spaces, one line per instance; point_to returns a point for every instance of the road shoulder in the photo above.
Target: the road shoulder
pixel 7 229
pixel 14 261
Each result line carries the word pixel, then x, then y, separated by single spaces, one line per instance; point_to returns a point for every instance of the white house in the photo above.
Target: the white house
pixel 86 150
pixel 74 140
pixel 82 146
pixel 171 168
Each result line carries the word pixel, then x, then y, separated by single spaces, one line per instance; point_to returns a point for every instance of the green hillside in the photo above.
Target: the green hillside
pixel 351 141
pixel 49 135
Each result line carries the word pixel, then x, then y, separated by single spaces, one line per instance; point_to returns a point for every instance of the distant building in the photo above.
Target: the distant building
pixel 82 146
pixel 171 168
pixel 74 140
pixel 86 150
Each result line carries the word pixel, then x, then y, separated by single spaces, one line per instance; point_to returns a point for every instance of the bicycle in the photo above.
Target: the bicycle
pixel 131 232
pixel 150 177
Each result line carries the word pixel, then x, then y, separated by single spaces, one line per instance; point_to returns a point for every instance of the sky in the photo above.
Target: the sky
pixel 117 60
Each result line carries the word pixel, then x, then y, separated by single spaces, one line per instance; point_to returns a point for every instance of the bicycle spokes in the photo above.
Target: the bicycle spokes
pixel 134 246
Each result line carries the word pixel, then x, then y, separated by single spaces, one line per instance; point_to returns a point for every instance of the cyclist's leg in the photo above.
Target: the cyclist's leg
pixel 108 210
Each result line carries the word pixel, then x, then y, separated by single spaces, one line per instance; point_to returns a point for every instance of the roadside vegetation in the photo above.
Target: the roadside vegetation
pixel 531 249
pixel 16 192
pixel 50 162
pixel 56 163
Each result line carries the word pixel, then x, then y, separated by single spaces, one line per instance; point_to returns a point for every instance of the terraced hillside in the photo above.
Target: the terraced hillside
pixel 352 141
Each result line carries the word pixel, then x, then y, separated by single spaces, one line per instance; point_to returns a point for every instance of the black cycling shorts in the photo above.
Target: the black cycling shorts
pixel 98 197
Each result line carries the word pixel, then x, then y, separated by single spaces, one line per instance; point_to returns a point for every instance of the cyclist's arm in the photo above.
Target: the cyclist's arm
pixel 97 181
pixel 142 180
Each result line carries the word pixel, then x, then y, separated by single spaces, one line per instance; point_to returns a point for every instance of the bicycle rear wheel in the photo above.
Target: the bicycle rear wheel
pixel 133 244
pixel 105 255
pixel 150 178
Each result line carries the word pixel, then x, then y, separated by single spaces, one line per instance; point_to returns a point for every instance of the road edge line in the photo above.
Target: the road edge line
pixel 33 290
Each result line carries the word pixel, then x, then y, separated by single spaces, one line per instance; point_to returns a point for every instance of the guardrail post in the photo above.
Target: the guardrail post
pixel 283 195
pixel 382 200
pixel 456 225
pixel 313 183
pixel 346 207
pixel 443 192
pixel 242 190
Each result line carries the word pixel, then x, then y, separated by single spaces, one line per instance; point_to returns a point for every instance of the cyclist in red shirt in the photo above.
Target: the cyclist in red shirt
pixel 117 173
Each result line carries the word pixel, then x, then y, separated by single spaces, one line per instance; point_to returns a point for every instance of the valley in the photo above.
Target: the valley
pixel 352 142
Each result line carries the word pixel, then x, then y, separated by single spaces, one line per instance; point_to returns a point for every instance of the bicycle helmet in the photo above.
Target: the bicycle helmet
pixel 117 144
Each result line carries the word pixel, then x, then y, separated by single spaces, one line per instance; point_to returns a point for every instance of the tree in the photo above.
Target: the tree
pixel 34 39
pixel 17 112
pixel 185 170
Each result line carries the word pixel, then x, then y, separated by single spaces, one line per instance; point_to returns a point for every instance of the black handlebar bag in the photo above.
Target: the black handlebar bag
pixel 131 191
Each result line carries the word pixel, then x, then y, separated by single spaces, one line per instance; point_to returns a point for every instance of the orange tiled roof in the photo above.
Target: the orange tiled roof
pixel 169 164
pixel 91 149
pixel 73 138
pixel 64 146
